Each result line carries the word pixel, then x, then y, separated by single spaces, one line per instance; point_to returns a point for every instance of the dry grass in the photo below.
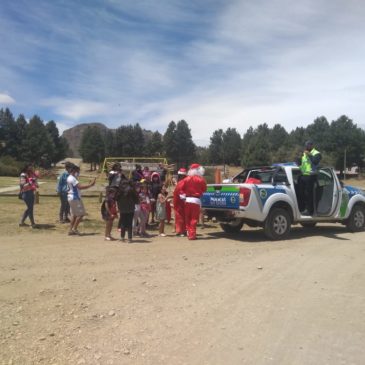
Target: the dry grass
pixel 46 215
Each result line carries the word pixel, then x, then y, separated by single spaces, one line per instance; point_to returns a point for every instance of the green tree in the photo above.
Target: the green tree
pixel 38 146
pixel 109 142
pixel 279 144
pixel 184 144
pixel 346 138
pixel 319 132
pixel 256 146
pixel 92 148
pixel 231 146
pixel 21 127
pixel 60 144
pixel 216 147
pixel 129 141
pixel 202 155
pixel 169 142
pixel 154 146
pixel 8 134
pixel 297 137
pixel 138 141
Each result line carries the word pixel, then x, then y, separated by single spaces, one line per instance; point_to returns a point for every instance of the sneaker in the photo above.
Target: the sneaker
pixel 34 226
pixel 71 233
pixel 162 235
pixel 121 239
pixel 23 225
pixel 130 240
pixel 109 239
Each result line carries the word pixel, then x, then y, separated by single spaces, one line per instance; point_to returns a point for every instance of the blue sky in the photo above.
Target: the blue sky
pixel 214 63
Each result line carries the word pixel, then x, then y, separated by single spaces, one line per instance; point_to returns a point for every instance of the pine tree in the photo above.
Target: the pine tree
pixel 154 146
pixel 38 146
pixel 92 148
pixel 184 144
pixel 216 147
pixel 60 143
pixel 169 142
pixel 231 146
pixel 8 134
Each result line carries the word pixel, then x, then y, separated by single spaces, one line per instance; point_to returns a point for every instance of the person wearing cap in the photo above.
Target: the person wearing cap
pixel 192 189
pixel 62 189
pixel 179 204
pixel 309 165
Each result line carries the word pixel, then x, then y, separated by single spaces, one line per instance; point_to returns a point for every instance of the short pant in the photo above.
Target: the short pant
pixel 77 208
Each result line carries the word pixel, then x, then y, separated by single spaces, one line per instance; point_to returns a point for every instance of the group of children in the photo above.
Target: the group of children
pixel 135 201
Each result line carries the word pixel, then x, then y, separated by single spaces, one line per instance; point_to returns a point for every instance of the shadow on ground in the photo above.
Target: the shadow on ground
pixel 45 226
pixel 296 233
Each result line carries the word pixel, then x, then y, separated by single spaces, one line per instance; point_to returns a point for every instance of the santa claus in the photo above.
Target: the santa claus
pixel 192 189
pixel 179 204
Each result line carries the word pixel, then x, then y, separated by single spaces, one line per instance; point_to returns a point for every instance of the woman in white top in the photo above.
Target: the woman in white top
pixel 74 199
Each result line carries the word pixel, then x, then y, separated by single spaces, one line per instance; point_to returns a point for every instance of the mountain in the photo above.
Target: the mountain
pixel 74 135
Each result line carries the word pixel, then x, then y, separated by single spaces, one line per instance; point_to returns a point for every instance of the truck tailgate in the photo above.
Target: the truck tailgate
pixel 221 196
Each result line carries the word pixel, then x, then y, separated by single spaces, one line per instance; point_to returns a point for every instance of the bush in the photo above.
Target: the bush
pixel 9 166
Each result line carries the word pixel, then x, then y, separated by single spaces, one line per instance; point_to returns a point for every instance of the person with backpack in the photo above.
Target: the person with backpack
pixel 62 189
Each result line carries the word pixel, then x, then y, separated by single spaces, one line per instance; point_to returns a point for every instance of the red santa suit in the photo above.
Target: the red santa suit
pixel 193 188
pixel 179 205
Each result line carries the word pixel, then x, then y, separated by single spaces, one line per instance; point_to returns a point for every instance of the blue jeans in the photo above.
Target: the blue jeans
pixel 28 197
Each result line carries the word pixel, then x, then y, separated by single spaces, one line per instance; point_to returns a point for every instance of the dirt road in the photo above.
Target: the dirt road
pixel 80 300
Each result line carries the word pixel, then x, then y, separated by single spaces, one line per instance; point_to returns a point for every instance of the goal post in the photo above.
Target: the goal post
pixel 128 164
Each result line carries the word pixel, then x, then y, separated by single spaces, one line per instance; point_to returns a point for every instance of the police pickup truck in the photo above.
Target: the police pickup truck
pixel 270 197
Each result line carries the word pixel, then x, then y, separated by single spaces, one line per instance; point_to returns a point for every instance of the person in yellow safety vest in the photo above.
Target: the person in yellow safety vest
pixel 309 166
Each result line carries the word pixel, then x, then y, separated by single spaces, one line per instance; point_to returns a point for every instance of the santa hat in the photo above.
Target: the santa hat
pixel 196 169
pixel 182 171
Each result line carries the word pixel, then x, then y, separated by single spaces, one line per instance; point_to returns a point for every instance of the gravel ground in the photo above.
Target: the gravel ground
pixel 219 300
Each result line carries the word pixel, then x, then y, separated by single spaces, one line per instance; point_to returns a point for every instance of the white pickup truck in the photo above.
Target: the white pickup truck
pixel 274 201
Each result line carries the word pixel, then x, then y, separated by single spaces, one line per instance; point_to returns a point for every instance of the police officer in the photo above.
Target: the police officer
pixel 309 166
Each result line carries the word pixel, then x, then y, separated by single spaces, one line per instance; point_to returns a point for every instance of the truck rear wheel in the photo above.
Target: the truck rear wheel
pixel 277 224
pixel 356 220
pixel 232 227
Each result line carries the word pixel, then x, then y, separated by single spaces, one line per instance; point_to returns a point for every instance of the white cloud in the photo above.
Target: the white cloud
pixel 6 99
pixel 76 110
pixel 217 65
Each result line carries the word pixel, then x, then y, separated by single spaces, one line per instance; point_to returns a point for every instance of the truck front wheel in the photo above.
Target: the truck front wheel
pixel 277 224
pixel 356 220
pixel 232 227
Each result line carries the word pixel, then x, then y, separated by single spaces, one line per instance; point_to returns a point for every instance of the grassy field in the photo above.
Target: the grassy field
pixel 48 186
pixel 46 215
pixel 6 181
